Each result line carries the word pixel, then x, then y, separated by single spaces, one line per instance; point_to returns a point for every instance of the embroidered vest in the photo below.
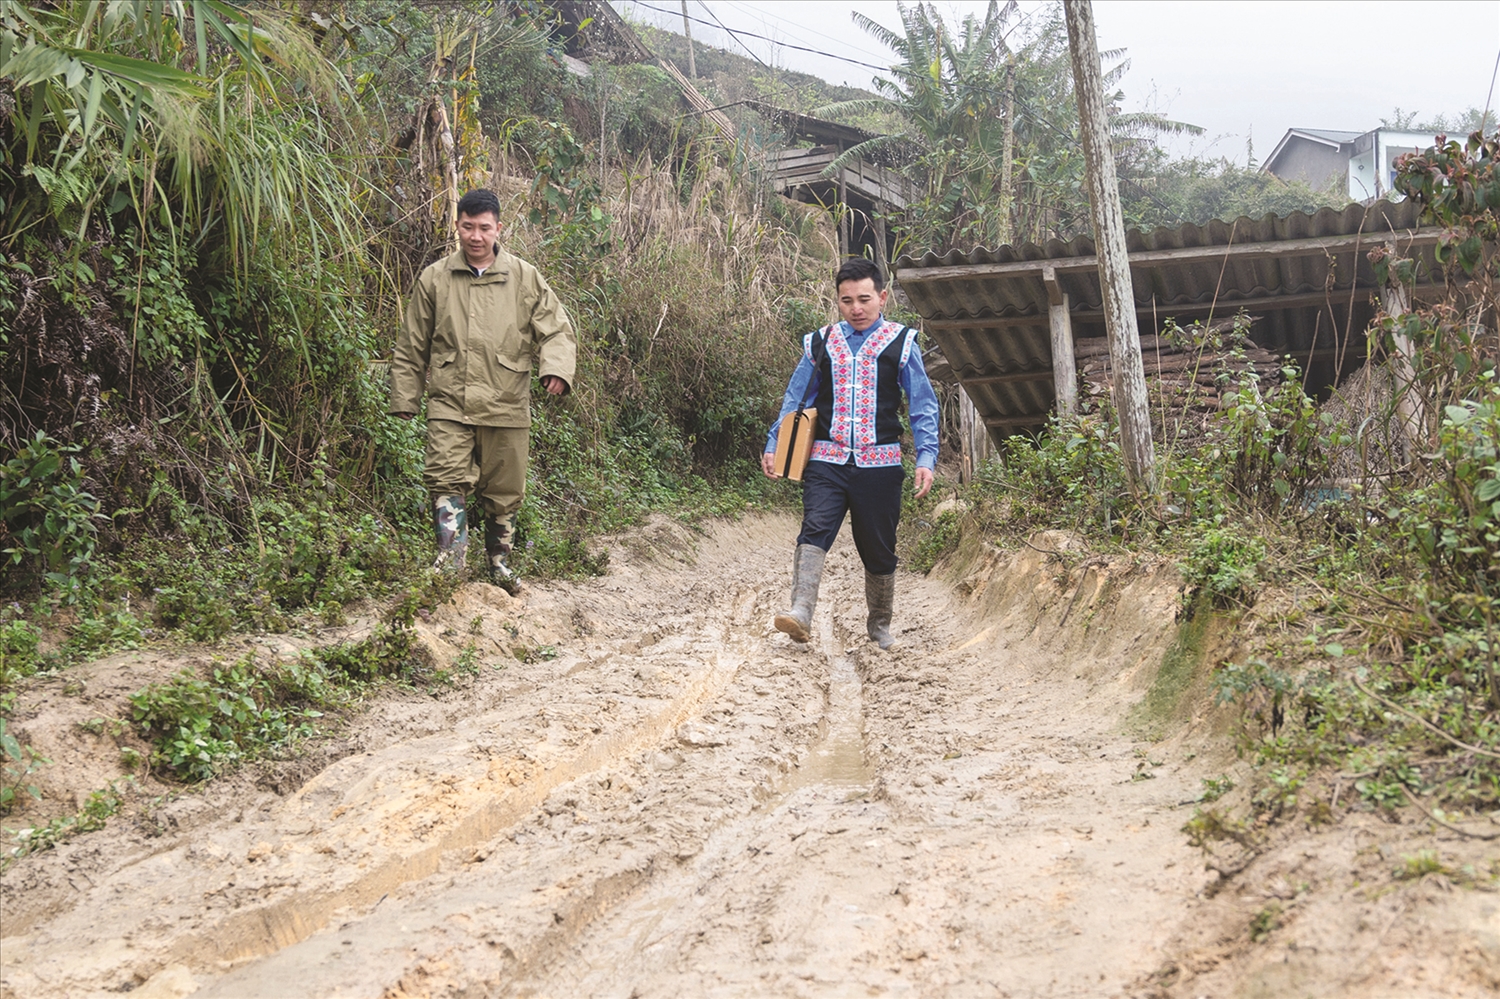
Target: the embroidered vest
pixel 859 396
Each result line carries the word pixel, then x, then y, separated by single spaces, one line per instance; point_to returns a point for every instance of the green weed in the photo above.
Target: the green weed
pixel 19 641
pixel 200 727
pixel 95 813
pixel 18 761
pixel 48 519
pixel 1419 865
pixel 1221 565
pixel 940 540
pixel 1265 922
pixel 1211 825
pixel 1215 788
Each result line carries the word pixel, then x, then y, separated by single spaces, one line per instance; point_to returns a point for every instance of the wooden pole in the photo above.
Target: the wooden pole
pixel 1064 367
pixel 687 29
pixel 1114 260
pixel 1395 297
pixel 1008 154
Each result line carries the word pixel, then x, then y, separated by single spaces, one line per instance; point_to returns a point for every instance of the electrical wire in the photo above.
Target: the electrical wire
pixel 731 34
pixel 1027 111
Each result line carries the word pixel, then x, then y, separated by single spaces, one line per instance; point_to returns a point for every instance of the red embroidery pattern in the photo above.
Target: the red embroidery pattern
pixel 851 425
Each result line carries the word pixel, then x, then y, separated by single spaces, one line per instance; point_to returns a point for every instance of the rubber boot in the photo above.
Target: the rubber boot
pixel 807 573
pixel 450 525
pixel 496 551
pixel 880 595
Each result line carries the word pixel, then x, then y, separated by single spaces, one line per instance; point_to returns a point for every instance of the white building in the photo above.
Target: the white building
pixel 1366 162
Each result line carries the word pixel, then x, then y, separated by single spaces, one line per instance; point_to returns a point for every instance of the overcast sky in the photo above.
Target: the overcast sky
pixel 1243 70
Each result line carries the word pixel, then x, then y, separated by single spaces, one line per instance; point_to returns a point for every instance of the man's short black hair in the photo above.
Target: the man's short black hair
pixel 477 203
pixel 857 269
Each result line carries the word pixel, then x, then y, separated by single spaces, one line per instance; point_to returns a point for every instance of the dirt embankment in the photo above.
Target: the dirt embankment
pixel 684 803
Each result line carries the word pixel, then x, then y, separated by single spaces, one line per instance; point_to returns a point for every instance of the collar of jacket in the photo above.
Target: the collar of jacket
pixel 500 268
pixel 848 330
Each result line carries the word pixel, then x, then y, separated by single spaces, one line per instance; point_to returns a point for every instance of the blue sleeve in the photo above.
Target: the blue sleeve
pixel 922 405
pixel 795 390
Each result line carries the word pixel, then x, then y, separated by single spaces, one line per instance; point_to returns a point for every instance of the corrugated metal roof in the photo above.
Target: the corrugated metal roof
pixel 1328 134
pixel 1305 276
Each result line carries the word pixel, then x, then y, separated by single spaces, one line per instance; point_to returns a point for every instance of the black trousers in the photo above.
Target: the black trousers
pixel 871 497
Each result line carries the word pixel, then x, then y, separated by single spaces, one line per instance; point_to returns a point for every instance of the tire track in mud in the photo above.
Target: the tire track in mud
pixel 724 814
pixel 644 819
pixel 370 824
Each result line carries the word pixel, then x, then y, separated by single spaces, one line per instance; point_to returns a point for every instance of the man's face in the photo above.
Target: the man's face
pixel 477 235
pixel 860 304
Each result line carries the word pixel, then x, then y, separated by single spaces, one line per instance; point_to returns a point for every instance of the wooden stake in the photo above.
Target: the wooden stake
pixel 1114 260
pixel 1395 297
pixel 687 29
pixel 1008 153
pixel 1064 367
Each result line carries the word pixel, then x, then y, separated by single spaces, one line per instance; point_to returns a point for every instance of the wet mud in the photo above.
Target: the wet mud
pixel 686 803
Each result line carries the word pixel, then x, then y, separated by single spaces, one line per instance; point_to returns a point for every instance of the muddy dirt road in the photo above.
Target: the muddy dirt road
pixel 685 803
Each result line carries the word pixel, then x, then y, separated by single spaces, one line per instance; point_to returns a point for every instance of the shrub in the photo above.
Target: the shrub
pixel 47 516
pixel 1221 565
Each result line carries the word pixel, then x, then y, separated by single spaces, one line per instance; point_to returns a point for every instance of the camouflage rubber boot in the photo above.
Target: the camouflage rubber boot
pixel 497 550
pixel 450 524
pixel 880 596
pixel 807 573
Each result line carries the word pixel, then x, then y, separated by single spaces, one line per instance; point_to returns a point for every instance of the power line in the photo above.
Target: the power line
pixel 735 32
pixel 793 29
pixel 731 34
pixel 1489 101
pixel 1024 106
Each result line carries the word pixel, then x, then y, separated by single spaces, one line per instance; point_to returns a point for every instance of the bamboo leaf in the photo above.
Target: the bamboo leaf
pixel 34 122
pixel 132 121
pixel 34 63
pixel 149 74
pixel 200 34
pixel 91 109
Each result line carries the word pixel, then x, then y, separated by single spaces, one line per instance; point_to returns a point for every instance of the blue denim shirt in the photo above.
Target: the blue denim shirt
pixel 921 400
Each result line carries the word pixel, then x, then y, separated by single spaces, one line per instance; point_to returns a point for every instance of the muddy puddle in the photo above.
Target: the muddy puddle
pixel 838 758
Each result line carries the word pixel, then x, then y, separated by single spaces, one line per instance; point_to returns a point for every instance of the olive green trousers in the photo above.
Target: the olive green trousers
pixel 488 462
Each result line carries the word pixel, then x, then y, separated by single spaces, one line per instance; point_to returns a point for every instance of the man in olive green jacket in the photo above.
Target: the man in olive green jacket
pixel 476 320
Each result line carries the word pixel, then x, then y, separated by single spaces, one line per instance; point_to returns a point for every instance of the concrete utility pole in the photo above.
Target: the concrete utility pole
pixel 687 29
pixel 1109 238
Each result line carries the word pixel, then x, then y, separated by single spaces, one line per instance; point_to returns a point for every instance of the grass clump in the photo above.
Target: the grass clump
pixel 97 810
pixel 200 727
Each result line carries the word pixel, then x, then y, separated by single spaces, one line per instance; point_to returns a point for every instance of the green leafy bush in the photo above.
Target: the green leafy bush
pixel 1073 477
pixel 19 640
pixel 202 726
pixel 939 541
pixel 18 762
pixel 1221 565
pixel 48 518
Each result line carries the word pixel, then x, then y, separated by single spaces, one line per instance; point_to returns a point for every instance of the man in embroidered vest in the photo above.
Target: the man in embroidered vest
pixel 476 319
pixel 858 369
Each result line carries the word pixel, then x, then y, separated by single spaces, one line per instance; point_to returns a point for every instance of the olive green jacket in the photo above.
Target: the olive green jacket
pixel 472 341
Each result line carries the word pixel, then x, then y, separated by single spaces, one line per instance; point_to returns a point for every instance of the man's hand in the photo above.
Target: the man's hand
pixel 554 385
pixel 768 465
pixel 923 481
pixel 403 416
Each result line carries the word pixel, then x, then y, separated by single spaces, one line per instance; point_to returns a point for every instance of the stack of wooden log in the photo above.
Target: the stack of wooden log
pixel 1185 372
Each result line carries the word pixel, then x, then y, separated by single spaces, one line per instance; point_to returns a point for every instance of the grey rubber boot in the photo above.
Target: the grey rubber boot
pixel 450 526
pixel 496 551
pixel 807 573
pixel 880 596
